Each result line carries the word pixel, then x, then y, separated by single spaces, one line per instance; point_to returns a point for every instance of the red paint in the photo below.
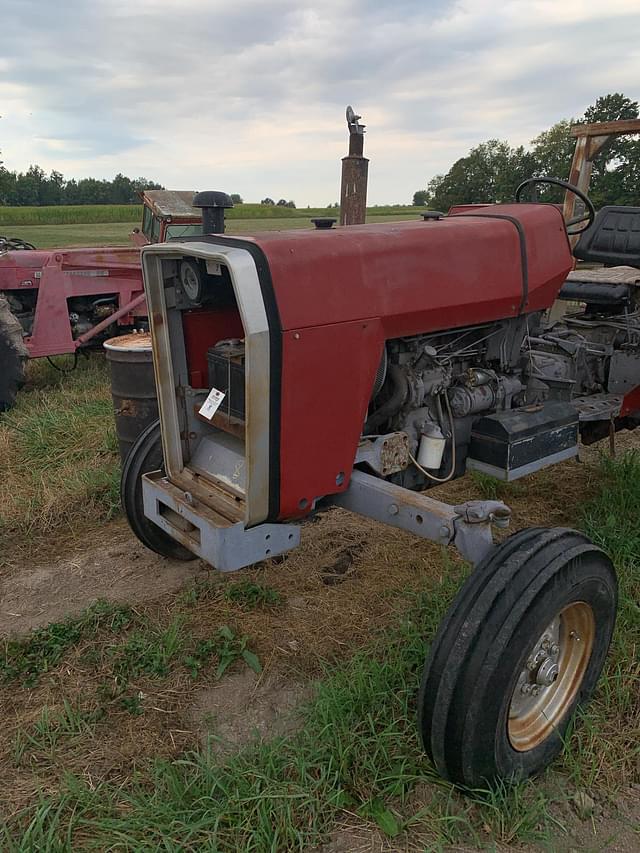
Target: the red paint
pixel 327 376
pixel 60 277
pixel 418 276
pixel 203 328
pixel 345 291
pixel 630 403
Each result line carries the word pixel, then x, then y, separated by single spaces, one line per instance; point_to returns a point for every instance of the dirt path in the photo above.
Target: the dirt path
pixel 114 565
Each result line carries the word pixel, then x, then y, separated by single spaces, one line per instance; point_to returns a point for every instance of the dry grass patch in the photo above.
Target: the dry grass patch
pixel 58 455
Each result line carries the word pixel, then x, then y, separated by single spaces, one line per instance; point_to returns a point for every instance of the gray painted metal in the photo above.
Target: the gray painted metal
pixel 225 545
pixel 467 527
pixel 510 474
pixel 157 263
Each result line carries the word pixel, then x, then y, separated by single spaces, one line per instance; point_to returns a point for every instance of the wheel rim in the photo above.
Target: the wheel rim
pixel 551 677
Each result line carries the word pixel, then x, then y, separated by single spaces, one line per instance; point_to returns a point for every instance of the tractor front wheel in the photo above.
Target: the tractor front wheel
pixel 13 356
pixel 145 456
pixel 521 648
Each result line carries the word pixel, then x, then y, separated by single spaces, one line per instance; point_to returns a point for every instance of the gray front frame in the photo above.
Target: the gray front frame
pixel 248 294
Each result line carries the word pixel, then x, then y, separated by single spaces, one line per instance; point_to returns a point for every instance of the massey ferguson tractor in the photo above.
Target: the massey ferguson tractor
pixel 358 367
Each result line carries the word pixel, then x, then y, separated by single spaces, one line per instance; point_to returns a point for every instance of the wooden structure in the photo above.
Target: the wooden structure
pixel 590 140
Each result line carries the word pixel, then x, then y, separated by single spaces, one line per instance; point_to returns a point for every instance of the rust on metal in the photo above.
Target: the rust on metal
pixel 355 173
pixel 172 204
pixel 109 321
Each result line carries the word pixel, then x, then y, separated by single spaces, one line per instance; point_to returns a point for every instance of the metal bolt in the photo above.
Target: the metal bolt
pixel 188 497
pixel 444 530
pixel 535 690
pixel 555 649
pixel 526 688
pixel 393 509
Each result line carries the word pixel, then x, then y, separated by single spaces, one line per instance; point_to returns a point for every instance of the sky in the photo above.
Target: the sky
pixel 249 97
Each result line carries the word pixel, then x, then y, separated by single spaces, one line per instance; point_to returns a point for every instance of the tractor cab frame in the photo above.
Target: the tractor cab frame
pixel 167 215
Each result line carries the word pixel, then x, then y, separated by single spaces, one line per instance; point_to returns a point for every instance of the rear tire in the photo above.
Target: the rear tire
pixel 13 356
pixel 521 648
pixel 145 456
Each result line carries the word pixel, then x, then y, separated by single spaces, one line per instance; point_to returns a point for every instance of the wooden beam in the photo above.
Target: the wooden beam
pixel 605 128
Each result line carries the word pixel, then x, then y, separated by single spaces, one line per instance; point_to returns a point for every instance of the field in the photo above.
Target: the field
pixel 156 705
pixel 110 225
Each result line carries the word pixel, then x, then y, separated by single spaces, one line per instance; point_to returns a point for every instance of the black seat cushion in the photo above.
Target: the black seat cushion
pixel 613 239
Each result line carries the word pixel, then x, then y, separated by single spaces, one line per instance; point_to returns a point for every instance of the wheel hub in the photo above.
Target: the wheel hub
pixel 551 676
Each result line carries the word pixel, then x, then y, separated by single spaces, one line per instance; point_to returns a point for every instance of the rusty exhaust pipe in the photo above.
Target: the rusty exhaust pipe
pixel 355 173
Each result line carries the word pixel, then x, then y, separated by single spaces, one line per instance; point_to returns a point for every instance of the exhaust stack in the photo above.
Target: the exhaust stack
pixel 355 172
pixel 213 205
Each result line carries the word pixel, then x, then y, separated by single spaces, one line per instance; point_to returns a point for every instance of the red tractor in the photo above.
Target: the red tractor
pixel 359 366
pixel 64 300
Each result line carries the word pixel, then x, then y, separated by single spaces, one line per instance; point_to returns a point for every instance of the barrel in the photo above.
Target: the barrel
pixel 133 386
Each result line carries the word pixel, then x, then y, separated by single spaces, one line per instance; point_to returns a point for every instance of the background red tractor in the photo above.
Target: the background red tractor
pixel 59 301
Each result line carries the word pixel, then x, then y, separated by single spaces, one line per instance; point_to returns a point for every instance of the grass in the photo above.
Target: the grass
pixel 58 453
pixel 25 660
pixel 54 731
pixel 117 233
pixel 85 681
pixel 85 214
pixel 356 753
pixel 251 595
pixel 356 756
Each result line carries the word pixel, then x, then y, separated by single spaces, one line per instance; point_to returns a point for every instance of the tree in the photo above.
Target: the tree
pixel 236 199
pixel 268 201
pixel 420 198
pixel 489 173
pixel 281 202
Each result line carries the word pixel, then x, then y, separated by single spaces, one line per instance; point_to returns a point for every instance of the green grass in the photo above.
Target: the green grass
pixel 58 452
pixel 24 660
pixel 117 233
pixel 85 214
pixel 54 731
pixel 72 214
pixel 357 749
pixel 251 595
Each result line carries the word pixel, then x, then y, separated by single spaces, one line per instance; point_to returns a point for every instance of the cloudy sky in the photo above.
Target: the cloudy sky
pixel 248 96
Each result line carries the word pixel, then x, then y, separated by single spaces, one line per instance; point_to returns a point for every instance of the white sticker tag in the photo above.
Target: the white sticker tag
pixel 212 403
pixel 214 268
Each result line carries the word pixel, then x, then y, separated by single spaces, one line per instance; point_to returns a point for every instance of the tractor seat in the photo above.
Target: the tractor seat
pixel 613 239
pixel 608 287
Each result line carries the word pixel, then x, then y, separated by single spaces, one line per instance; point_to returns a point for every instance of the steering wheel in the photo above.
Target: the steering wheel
pixel 590 212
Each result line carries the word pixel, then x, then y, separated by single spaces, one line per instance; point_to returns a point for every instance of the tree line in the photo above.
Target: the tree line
pixel 491 171
pixel 34 187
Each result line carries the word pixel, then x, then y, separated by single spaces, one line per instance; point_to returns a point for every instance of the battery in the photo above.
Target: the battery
pixel 225 362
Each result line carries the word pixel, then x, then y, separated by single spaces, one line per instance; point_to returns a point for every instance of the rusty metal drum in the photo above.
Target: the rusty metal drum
pixel 133 386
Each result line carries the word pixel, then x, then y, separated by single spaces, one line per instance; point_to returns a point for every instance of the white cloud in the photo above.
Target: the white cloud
pixel 249 97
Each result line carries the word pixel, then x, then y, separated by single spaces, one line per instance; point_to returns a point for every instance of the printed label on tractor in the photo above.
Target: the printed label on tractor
pixel 212 403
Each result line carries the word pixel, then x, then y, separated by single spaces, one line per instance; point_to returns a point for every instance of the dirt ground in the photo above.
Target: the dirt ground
pixel 339 589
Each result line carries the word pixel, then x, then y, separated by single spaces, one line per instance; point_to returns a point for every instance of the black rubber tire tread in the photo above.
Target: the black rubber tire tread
pixel 13 356
pixel 471 672
pixel 453 623
pixel 145 456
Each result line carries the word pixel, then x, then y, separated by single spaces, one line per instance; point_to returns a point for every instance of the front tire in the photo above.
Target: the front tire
pixel 145 456
pixel 521 648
